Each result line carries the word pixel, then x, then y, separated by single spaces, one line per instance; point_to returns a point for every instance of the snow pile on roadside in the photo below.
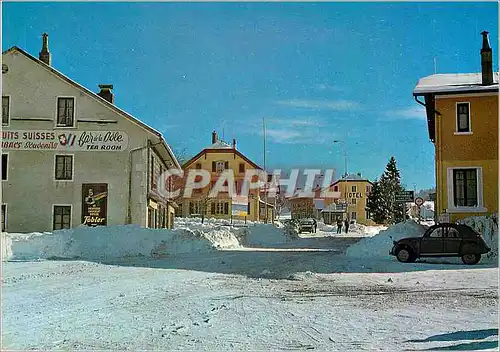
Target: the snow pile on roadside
pixel 266 235
pixel 111 242
pixel 379 245
pixel 487 226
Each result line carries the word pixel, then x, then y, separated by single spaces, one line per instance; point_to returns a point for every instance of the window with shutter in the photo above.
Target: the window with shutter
pixel 242 168
pixel 226 208
pixel 214 165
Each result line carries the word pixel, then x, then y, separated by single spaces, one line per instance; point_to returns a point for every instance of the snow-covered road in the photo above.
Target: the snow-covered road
pixel 249 299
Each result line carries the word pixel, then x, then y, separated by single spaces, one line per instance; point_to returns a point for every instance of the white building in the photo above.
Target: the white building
pixel 70 156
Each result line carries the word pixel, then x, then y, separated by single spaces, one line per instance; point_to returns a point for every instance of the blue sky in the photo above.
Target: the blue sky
pixel 316 71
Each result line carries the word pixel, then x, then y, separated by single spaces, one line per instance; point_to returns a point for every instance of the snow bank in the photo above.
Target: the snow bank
pixel 487 226
pixel 264 235
pixel 111 242
pixel 379 245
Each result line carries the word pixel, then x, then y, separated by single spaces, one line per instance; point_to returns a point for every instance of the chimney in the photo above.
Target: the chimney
pixel 106 92
pixel 486 61
pixel 234 143
pixel 214 137
pixel 359 174
pixel 44 54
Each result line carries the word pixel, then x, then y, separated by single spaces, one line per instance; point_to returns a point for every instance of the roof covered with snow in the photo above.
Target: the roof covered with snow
pixel 352 177
pixel 454 83
pixel 219 145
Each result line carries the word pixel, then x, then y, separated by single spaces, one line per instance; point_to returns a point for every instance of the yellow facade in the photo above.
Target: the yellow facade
pixel 356 193
pixel 477 149
pixel 220 207
pixel 301 207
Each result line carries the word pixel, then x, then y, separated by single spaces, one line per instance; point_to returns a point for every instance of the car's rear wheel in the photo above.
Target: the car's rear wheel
pixel 405 255
pixel 471 259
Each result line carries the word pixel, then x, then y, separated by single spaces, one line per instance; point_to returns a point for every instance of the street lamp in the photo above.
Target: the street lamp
pixel 345 154
pixel 345 175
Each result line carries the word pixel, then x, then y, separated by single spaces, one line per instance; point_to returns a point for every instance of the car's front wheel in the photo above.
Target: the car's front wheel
pixel 405 255
pixel 471 259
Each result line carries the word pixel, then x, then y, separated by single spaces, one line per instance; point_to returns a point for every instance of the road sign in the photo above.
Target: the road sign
pixel 419 201
pixel 405 196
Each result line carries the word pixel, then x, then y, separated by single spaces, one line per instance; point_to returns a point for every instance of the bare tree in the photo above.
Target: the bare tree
pixel 181 155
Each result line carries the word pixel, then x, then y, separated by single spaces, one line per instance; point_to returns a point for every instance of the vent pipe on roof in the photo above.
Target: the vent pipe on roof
pixel 214 137
pixel 486 61
pixel 44 54
pixel 106 92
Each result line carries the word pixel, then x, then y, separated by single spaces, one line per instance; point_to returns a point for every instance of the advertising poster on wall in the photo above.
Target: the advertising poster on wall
pixel 95 204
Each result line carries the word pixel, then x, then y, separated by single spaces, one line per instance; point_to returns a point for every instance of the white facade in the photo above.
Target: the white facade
pixel 122 158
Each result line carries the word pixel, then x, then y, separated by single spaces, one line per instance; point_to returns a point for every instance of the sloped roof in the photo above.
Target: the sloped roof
pixel 352 177
pixel 98 98
pixel 220 150
pixel 454 83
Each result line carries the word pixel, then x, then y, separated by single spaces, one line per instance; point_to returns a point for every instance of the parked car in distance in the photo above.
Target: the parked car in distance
pixel 306 225
pixel 442 240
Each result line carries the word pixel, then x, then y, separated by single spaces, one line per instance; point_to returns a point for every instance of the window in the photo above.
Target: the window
pixel 368 189
pixel 219 166
pixel 353 189
pixel 62 217
pixel 353 201
pixel 194 208
pixel 242 168
pixel 437 233
pixel 336 188
pixel 453 233
pixel 5 110
pixel 465 187
pixel 64 167
pixel 463 117
pixel 353 215
pixel 220 208
pixel 249 207
pixel 198 166
pixel 367 214
pixel 4 217
pixel 5 158
pixel 65 111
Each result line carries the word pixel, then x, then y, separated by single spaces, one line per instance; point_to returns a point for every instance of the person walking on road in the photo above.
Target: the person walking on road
pixel 339 225
pixel 346 224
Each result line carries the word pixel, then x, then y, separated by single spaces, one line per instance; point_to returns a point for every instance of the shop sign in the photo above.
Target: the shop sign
pixel 94 204
pixel 61 140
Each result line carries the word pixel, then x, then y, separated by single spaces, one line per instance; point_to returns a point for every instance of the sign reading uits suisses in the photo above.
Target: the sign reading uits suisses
pixel 102 141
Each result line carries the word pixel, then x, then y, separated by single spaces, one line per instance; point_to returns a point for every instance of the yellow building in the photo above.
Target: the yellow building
pixel 462 119
pixel 354 189
pixel 215 159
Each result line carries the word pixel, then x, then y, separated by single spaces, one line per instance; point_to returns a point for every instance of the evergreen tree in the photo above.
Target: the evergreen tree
pixel 374 204
pixel 390 184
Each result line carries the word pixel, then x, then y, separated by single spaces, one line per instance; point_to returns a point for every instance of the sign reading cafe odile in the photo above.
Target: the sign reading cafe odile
pixel 64 140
